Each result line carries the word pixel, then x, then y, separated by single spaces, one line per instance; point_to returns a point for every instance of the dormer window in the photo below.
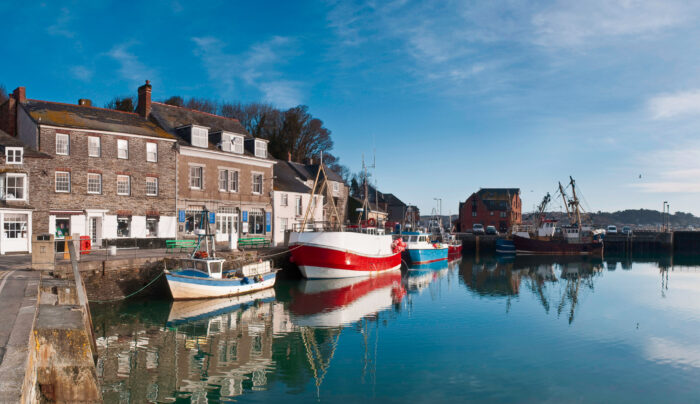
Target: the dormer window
pixel 260 149
pixel 199 136
pixel 14 155
pixel 232 143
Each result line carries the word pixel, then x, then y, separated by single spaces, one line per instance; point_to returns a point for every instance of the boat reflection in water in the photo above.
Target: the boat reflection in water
pixel 339 302
pixel 543 276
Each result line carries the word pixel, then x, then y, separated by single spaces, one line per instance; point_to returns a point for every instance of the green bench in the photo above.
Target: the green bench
pixel 253 242
pixel 173 244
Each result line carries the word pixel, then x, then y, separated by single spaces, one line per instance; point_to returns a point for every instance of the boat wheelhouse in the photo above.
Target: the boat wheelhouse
pixel 420 249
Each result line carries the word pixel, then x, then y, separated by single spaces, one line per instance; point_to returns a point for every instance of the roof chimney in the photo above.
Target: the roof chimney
pixel 85 102
pixel 144 106
pixel 20 94
pixel 8 111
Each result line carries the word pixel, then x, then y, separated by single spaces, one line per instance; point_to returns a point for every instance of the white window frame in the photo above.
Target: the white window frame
pixel 223 180
pixel 151 220
pixel 65 137
pixel 262 181
pixel 127 220
pixel 201 134
pixel 120 148
pixel 128 185
pixel 201 177
pixel 5 185
pixel 260 149
pixel 153 152
pixel 99 176
pixel 284 224
pixel 298 205
pixel 55 180
pixel 154 181
pixel 237 144
pixel 233 180
pixel 284 200
pixel 11 154
pixel 91 149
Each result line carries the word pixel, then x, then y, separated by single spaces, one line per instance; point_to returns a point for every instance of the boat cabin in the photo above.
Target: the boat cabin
pixel 547 228
pixel 415 237
pixel 203 267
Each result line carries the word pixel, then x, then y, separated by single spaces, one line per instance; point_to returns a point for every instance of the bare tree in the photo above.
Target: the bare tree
pixel 125 103
pixel 175 100
pixel 202 104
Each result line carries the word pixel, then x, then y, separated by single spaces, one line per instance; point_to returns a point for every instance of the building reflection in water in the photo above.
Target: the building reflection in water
pixel 557 282
pixel 215 350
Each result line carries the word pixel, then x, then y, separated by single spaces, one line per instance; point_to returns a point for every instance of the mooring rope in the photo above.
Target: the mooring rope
pixel 129 295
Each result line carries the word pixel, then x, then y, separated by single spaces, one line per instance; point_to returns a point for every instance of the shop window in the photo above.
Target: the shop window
pixel 151 227
pixel 123 226
pixel 62 227
pixel 15 226
pixel 193 220
pixel 256 221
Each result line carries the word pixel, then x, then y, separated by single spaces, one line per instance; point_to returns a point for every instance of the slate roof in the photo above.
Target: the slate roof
pixel 86 117
pixel 286 178
pixel 308 172
pixel 11 141
pixel 497 193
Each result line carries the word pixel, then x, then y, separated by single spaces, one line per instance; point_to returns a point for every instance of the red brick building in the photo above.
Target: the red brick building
pixel 499 207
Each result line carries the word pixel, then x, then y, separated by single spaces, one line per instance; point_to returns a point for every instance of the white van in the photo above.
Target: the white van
pixel 611 229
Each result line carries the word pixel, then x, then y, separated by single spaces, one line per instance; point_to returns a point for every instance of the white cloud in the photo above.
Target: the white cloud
pixel 60 25
pixel 673 105
pixel 576 23
pixel 673 170
pixel 82 73
pixel 130 68
pixel 666 351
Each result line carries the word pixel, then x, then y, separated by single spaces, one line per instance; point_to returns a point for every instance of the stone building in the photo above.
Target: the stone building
pixel 221 168
pixel 290 200
pixel 498 207
pixel 111 174
pixel 16 161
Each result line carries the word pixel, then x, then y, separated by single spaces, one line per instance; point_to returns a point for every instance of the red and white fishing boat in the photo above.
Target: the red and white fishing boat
pixel 339 254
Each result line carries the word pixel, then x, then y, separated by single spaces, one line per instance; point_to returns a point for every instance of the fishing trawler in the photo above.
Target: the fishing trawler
pixel 202 274
pixel 550 238
pixel 421 250
pixel 342 254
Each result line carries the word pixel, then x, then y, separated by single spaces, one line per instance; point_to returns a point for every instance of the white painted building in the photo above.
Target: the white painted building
pixel 290 200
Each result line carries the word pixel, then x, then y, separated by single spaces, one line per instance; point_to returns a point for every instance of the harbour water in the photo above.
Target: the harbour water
pixel 529 329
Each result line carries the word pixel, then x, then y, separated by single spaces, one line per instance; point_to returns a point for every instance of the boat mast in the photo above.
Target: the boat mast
pixel 566 202
pixel 575 203
pixel 541 209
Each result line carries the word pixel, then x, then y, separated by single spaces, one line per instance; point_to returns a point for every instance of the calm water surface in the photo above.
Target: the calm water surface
pixel 485 329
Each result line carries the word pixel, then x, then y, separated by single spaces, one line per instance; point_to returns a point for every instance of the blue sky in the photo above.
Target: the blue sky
pixel 453 96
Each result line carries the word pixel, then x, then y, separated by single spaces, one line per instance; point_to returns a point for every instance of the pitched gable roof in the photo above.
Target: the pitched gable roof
pixel 172 117
pixel 11 141
pixel 286 178
pixel 87 117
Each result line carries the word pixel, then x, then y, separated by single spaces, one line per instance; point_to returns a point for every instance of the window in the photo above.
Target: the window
pixel 152 152
pixel 283 224
pixel 199 136
pixel 62 144
pixel 491 213
pixel 336 187
pixel 15 226
pixel 285 200
pixel 123 185
pixel 473 214
pixel 94 147
pixel 260 149
pixel 237 144
pixel 151 227
pixel 297 206
pixel 256 221
pixel 94 183
pixel 196 180
pixel 62 181
pixel 123 226
pixel 13 155
pixel 233 177
pixel 62 227
pixel 503 214
pixel 257 183
pixel 122 149
pixel 151 186
pixel 223 180
pixel 13 186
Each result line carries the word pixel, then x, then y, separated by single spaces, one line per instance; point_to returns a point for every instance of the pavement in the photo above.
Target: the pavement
pixel 18 292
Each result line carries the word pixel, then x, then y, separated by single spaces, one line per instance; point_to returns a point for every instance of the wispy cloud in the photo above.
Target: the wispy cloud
pixel 670 170
pixel 130 67
pixel 257 67
pixel 82 73
pixel 673 105
pixel 667 351
pixel 60 25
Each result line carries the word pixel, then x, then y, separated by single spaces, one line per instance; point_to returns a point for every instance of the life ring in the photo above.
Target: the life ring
pixel 371 221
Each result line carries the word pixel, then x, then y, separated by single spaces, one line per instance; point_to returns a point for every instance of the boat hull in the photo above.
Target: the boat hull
pixel 342 254
pixel 525 245
pixel 454 251
pixel 192 287
pixel 505 246
pixel 420 256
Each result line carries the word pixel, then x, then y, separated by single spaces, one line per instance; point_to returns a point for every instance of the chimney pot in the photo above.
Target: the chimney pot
pixel 85 102
pixel 144 104
pixel 20 94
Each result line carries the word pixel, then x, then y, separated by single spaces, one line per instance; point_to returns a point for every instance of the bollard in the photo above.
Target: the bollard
pixel 66 254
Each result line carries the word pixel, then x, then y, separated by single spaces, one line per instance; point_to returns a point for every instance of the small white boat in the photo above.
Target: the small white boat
pixel 187 311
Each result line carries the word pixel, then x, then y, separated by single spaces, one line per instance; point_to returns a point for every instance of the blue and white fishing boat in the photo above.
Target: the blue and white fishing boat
pixel 201 275
pixel 421 250
pixel 505 246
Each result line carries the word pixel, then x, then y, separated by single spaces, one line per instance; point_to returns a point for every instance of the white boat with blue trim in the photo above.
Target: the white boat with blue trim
pixel 202 275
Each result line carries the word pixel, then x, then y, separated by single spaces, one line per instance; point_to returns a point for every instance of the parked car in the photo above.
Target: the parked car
pixel 491 230
pixel 612 229
pixel 627 230
pixel 478 228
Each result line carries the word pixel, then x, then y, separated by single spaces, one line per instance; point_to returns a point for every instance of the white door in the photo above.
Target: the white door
pixel 16 232
pixel 225 224
pixel 95 229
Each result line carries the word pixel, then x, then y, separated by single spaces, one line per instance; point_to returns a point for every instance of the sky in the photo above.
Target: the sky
pixel 445 97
